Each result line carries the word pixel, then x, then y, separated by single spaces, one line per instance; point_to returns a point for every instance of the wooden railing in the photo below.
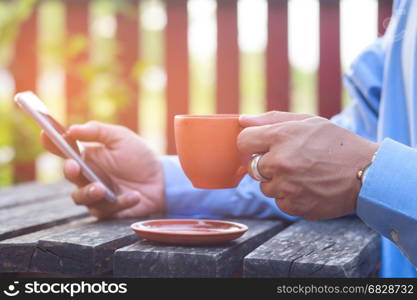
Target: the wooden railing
pixel 24 65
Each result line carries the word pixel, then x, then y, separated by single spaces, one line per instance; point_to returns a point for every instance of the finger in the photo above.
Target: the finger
pixel 271 189
pixel 145 209
pixel 264 166
pixel 49 145
pixel 107 209
pixel 90 194
pixel 256 139
pixel 125 213
pixel 129 213
pixel 72 172
pixel 270 117
pixel 286 206
pixel 94 131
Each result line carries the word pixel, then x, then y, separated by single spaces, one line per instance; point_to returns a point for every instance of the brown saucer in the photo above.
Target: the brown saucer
pixel 189 231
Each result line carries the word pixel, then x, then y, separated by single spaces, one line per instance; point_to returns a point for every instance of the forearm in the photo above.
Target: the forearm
pixel 183 200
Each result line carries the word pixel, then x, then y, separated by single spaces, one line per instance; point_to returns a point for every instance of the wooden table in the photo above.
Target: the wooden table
pixel 44 233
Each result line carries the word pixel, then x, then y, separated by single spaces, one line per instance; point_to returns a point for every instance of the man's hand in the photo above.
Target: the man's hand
pixel 124 161
pixel 312 163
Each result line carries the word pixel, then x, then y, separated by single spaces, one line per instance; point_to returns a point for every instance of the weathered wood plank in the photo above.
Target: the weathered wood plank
pixel 36 216
pixel 149 259
pixel 33 191
pixel 84 250
pixel 16 253
pixel 343 247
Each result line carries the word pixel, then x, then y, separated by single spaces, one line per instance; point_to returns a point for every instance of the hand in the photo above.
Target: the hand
pixel 124 161
pixel 312 163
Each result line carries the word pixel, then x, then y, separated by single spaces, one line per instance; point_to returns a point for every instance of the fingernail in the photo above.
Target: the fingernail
pixel 132 198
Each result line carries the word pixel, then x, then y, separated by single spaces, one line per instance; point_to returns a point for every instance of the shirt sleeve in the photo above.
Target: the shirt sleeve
pixel 184 201
pixel 386 208
pixel 363 82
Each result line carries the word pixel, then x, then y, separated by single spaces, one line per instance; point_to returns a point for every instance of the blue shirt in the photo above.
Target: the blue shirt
pixel 382 83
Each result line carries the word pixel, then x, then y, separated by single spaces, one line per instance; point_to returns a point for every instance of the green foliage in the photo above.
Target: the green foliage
pixel 12 14
pixel 25 137
pixel 303 92
pixel 107 91
pixel 4 127
pixel 20 131
pixel 15 128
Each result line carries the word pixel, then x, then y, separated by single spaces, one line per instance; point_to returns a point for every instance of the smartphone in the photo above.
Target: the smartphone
pixel 31 103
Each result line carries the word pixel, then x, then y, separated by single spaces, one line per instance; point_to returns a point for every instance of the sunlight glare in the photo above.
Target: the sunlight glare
pixel 252 19
pixel 202 28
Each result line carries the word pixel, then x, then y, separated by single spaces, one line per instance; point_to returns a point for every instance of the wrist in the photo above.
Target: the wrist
pixel 154 191
pixel 365 162
pixel 361 175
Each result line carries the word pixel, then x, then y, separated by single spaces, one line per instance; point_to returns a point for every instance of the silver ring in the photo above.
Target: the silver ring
pixel 255 169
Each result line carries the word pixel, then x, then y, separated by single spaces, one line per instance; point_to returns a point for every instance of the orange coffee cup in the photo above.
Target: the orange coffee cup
pixel 207 150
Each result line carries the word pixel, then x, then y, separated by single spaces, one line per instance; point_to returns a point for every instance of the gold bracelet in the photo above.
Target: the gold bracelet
pixel 362 172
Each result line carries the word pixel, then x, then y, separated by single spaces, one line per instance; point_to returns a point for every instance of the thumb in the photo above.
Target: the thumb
pixel 94 131
pixel 271 117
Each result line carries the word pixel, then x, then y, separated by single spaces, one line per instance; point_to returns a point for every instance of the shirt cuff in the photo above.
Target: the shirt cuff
pixel 388 198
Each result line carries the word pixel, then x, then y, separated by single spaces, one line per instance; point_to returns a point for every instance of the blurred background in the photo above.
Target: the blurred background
pixel 140 62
